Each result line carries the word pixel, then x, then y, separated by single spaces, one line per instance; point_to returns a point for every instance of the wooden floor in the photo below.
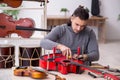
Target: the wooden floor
pixel 109 55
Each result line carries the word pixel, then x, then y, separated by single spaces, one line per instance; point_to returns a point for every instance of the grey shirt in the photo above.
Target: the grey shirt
pixel 64 34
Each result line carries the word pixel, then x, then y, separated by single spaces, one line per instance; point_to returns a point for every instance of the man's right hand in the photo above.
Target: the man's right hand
pixel 66 51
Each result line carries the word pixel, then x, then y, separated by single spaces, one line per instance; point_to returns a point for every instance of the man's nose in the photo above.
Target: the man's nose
pixel 78 28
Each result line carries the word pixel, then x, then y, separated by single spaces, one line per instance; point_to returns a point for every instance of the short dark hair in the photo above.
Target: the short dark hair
pixel 81 12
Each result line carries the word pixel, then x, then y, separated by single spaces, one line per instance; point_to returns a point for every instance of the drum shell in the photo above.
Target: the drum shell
pixel 29 62
pixel 29 55
pixel 7 57
pixel 7 50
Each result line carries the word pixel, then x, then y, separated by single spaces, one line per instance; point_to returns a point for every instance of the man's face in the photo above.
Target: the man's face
pixel 78 24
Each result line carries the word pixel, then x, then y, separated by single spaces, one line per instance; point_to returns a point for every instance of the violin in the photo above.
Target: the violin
pixel 34 73
pixel 8 26
pixel 26 71
pixel 12 3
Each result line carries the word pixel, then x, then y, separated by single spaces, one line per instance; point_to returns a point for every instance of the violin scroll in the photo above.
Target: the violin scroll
pixel 59 78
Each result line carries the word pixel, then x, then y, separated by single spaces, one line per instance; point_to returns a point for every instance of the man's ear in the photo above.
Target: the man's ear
pixel 72 17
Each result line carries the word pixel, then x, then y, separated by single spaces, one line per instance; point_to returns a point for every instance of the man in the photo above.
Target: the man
pixel 68 37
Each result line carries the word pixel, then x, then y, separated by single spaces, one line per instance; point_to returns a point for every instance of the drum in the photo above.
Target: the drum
pixel 29 55
pixel 7 57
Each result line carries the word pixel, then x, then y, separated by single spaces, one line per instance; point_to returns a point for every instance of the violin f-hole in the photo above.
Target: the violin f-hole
pixel 2 26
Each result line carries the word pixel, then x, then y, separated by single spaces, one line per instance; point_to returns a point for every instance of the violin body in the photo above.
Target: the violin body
pixel 25 22
pixel 34 73
pixel 8 26
pixel 5 24
pixel 30 73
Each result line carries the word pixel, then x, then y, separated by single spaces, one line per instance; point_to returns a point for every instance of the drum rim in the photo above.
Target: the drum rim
pixel 30 46
pixel 6 45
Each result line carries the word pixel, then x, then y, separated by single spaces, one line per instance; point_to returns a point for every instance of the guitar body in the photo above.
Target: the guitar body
pixel 12 3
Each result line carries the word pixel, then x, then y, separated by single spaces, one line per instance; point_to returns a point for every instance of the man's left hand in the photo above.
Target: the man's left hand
pixel 83 57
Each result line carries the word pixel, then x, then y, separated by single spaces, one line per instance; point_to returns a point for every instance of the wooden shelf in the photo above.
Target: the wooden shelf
pixel 20 41
pixel 93 21
pixel 21 8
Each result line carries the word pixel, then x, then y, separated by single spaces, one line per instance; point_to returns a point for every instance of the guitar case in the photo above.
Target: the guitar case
pixel 95 9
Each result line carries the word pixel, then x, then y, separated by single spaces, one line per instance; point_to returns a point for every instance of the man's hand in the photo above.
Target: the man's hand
pixel 65 50
pixel 83 57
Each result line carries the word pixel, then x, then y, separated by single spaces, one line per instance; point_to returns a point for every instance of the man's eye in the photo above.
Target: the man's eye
pixel 83 25
pixel 77 25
